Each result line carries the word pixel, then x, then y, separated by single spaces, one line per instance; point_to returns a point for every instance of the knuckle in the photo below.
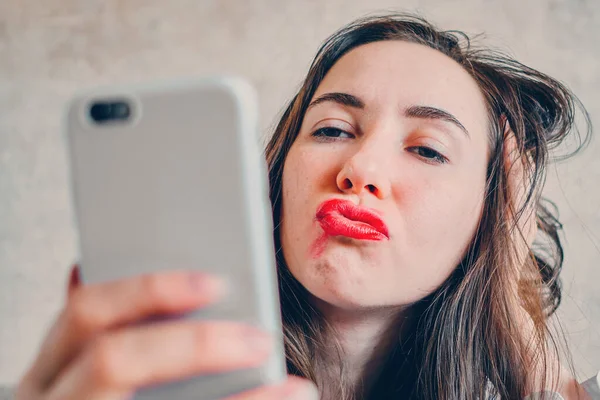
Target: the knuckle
pixel 201 339
pixel 156 289
pixel 220 342
pixel 205 335
pixel 104 362
pixel 79 314
pixel 25 389
pixel 216 345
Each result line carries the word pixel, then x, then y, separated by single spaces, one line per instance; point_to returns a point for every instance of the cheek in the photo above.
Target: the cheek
pixel 449 209
pixel 295 184
pixel 440 220
pixel 298 184
pixel 446 203
pixel 306 173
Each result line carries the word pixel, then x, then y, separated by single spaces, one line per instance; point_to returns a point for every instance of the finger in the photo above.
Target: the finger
pixel 294 388
pixel 130 358
pixel 97 307
pixel 99 394
pixel 74 280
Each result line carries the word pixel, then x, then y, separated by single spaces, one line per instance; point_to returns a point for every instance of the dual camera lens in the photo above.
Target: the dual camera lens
pixel 110 111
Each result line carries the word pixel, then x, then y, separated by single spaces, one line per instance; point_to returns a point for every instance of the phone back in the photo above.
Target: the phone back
pixel 181 184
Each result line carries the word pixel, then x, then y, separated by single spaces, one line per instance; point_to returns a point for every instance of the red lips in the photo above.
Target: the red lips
pixel 343 218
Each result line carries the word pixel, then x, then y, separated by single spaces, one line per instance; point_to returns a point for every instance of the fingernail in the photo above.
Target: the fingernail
pixel 257 340
pixel 206 284
pixel 74 276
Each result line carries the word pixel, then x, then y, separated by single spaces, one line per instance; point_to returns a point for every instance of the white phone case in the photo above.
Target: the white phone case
pixel 181 185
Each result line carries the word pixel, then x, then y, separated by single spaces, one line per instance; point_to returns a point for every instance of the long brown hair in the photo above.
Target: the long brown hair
pixel 464 343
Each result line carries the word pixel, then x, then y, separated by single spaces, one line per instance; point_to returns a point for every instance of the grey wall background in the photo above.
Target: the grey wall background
pixel 51 48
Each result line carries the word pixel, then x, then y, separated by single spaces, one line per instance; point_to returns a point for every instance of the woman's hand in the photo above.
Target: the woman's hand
pixel 95 351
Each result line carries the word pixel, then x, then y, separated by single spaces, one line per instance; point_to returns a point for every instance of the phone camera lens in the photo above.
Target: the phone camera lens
pixel 115 111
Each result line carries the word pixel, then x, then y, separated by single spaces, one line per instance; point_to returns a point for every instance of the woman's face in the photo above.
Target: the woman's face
pixel 399 133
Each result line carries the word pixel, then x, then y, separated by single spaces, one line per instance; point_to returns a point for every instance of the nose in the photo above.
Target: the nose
pixel 365 172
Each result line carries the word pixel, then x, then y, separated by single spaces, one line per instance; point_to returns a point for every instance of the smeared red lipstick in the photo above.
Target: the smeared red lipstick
pixel 343 218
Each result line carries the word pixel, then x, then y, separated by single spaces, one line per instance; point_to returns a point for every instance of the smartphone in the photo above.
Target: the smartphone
pixel 170 176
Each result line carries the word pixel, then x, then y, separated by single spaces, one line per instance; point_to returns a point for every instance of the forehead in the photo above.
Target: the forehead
pixel 400 74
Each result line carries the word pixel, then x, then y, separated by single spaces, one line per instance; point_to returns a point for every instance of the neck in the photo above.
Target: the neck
pixel 358 342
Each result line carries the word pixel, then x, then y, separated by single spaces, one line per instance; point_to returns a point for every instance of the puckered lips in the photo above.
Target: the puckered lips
pixel 339 217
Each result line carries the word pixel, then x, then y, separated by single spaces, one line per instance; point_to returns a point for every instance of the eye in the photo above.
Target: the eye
pixel 429 154
pixel 331 133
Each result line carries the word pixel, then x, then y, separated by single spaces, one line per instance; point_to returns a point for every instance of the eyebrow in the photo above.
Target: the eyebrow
pixel 343 99
pixel 428 112
pixel 415 111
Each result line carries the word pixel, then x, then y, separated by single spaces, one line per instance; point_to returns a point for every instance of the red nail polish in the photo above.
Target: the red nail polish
pixel 74 277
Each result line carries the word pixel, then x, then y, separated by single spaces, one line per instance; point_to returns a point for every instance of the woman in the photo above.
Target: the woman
pixel 405 179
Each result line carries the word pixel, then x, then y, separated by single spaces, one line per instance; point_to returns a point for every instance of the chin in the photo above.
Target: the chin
pixel 339 281
pixel 339 298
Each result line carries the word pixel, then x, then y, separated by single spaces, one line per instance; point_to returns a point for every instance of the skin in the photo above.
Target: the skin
pixel 379 157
